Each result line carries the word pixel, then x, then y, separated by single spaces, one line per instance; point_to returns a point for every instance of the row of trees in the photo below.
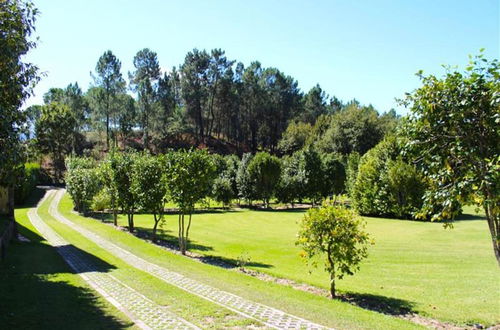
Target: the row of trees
pixel 139 182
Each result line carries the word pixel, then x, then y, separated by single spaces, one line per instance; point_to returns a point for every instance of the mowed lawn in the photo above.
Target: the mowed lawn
pixel 448 274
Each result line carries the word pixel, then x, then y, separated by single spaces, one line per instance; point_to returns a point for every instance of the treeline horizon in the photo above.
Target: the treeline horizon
pixel 209 100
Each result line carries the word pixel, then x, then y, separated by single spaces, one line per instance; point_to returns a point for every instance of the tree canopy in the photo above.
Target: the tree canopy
pixel 454 136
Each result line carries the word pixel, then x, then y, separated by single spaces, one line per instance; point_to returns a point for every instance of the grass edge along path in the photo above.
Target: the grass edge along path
pixel 328 312
pixel 141 310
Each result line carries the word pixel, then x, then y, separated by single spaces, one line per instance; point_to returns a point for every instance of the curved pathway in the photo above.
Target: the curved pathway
pixel 142 311
pixel 269 316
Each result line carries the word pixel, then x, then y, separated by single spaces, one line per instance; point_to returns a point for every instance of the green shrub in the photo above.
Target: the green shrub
pixel 264 171
pixel 334 175
pixel 82 185
pixel 101 201
pixel 27 182
pixel 222 191
pixel 386 185
pixel 291 186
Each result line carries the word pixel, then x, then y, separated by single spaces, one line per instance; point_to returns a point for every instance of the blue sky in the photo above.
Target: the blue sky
pixel 368 50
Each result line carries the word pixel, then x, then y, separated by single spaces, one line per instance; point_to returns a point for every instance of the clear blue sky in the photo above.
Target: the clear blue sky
pixel 369 50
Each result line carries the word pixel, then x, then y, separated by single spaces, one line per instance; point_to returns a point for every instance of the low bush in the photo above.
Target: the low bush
pixel 82 185
pixel 101 201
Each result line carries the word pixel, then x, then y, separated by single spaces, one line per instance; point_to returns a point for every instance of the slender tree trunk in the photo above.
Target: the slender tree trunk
pixel 115 217
pixel 157 219
pixel 183 247
pixel 179 233
pixel 10 209
pixel 107 130
pixel 187 230
pixel 131 222
pixel 493 219
pixel 332 272
pixel 332 285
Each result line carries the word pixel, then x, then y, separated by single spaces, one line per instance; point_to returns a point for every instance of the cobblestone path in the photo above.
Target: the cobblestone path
pixel 271 317
pixel 145 313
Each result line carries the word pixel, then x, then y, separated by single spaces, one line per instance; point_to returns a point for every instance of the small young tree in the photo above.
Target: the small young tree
pixel 351 171
pixel 333 174
pixel 222 191
pixel 264 171
pixel 82 185
pixel 107 176
pixel 149 186
pixel 292 180
pixel 338 233
pixel 245 187
pixel 314 174
pixel 190 176
pixel 121 165
pixel 454 135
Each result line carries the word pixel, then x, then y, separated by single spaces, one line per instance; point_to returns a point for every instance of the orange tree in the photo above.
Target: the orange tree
pixel 338 233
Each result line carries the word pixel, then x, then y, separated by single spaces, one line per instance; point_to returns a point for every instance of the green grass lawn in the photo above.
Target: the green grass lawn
pixel 448 274
pixel 38 290
pixel 315 308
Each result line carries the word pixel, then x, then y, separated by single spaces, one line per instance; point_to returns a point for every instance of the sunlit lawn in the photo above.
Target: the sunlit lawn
pixel 336 314
pixel 449 274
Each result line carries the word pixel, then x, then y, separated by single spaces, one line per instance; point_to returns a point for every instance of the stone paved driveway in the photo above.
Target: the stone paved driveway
pixel 145 313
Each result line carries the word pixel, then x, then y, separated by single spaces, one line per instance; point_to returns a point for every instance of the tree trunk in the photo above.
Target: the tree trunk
pixel 107 130
pixel 157 219
pixel 131 222
pixel 332 285
pixel 332 271
pixel 10 207
pixel 179 233
pixel 187 231
pixel 115 217
pixel 493 219
pixel 183 237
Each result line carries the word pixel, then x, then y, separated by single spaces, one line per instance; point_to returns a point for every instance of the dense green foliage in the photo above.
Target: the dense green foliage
pixel 54 134
pixel 121 168
pixel 264 173
pixel 338 233
pixel 149 186
pixel 355 129
pixel 30 177
pixel 386 185
pixel 82 182
pixel 291 187
pixel 17 79
pixel 454 135
pixel 190 178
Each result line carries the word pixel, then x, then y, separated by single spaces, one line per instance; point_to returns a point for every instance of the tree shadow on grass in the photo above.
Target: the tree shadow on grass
pixel 33 298
pixel 470 217
pixel 381 304
pixel 229 263
pixel 166 239
pixel 285 210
